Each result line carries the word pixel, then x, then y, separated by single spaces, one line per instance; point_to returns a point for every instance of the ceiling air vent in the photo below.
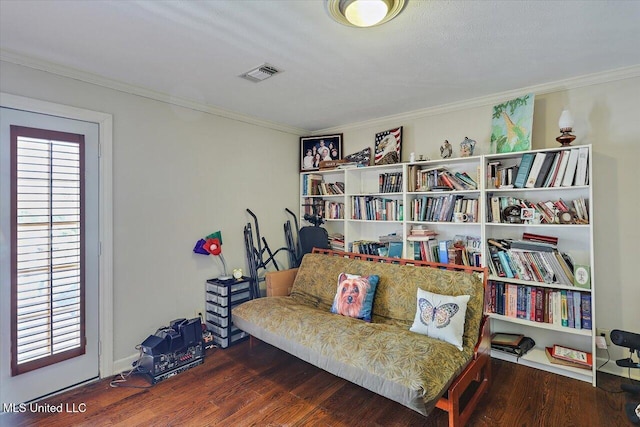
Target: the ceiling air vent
pixel 260 73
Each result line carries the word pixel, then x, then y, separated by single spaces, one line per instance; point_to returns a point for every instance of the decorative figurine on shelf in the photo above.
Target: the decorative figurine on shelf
pixel 446 150
pixel 466 147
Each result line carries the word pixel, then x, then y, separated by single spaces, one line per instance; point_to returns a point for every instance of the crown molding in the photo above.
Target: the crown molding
pixel 541 89
pixel 86 77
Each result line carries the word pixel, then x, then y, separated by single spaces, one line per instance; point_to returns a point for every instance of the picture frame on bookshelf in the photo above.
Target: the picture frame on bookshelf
pixel 512 122
pixel 314 149
pixel 388 148
pixel 527 215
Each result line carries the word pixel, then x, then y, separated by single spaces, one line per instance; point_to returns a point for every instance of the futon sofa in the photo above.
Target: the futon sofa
pixel 383 355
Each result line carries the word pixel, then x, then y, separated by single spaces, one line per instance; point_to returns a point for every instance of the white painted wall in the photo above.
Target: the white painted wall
pixel 178 175
pixel 606 115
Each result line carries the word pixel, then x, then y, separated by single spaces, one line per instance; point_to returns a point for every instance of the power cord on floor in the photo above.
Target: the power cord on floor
pixel 121 379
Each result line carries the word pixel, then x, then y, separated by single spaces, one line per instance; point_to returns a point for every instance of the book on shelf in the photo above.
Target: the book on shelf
pixel 585 310
pixel 376 209
pixel 561 168
pixel 551 175
pixel 501 338
pixel 367 247
pixel 439 178
pixel 443 251
pixel 443 208
pixel 544 169
pixel 550 211
pixel 581 177
pixel 311 184
pixel 535 170
pixel 570 172
pixel 572 355
pixel 562 362
pixel 528 260
pixel 394 249
pixel 390 182
pixel 495 209
pixel 523 170
pixel 463 176
pixel 540 238
pixel 331 188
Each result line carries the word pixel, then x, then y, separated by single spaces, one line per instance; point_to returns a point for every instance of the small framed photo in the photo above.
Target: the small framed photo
pixel 527 215
pixel 388 147
pixel 314 149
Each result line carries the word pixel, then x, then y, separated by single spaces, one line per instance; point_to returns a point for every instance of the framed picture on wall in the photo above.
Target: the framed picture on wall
pixel 511 126
pixel 314 149
pixel 388 147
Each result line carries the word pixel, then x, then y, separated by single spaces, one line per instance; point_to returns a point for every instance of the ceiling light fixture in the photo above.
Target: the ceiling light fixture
pixel 364 13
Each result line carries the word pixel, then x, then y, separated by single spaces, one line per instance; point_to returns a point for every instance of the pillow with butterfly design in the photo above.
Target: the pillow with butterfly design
pixel 441 317
pixel 354 297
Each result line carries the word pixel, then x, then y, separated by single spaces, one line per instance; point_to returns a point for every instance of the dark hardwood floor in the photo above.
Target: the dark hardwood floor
pixel 264 386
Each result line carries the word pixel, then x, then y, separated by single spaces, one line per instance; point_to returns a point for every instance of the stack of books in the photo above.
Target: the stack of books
pixel 560 355
pixel 421 233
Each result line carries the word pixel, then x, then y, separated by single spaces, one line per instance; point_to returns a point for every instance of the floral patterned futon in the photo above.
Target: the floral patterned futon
pixel 383 356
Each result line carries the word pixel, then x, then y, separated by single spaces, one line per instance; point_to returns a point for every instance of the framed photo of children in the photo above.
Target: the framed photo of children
pixel 314 149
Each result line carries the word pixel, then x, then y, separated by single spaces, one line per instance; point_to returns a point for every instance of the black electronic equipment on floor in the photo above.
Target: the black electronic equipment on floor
pixel 171 350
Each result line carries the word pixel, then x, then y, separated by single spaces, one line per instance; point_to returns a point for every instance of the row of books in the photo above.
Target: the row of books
pixel 461 250
pixel 324 208
pixel 563 168
pixel 331 188
pixel 549 212
pixel 391 249
pixel 439 178
pixel 443 208
pixel 500 176
pixel 390 182
pixel 311 184
pixel 532 261
pixel 571 309
pixel 376 208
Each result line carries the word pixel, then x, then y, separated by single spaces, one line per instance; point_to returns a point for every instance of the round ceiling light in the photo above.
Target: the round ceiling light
pixel 364 13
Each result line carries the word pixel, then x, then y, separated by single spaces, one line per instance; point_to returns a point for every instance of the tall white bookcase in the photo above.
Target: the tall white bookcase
pixel 575 239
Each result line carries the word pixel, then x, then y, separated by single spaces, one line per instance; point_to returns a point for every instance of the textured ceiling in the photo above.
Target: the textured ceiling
pixel 434 53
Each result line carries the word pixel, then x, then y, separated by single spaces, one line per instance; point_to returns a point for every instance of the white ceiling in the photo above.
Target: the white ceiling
pixel 434 53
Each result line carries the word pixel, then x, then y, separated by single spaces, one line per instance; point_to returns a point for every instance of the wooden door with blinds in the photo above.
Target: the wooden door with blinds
pixel 47 224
